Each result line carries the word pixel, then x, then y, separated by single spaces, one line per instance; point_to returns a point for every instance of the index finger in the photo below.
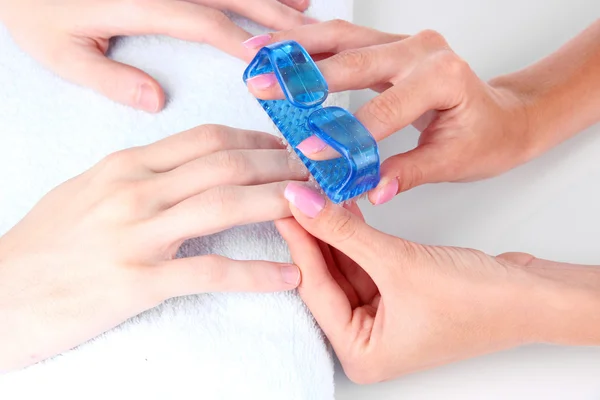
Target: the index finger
pixel 328 37
pixel 319 290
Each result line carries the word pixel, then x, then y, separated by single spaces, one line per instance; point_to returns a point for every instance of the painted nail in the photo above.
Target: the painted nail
pixel 262 82
pixel 311 145
pixel 257 41
pixel 147 98
pixel 290 274
pixel 386 192
pixel 308 201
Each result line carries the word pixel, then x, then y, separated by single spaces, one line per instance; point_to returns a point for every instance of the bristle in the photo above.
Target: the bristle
pixel 311 180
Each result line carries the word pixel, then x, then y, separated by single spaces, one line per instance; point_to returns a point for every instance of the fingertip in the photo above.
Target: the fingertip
pixel 384 192
pixel 291 275
pixel 300 5
pixel 260 83
pixel 307 201
pixel 312 145
pixel 257 42
pixel 149 97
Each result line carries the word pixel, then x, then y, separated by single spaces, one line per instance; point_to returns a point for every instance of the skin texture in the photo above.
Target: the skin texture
pixel 71 37
pixel 119 226
pixel 470 129
pixel 392 307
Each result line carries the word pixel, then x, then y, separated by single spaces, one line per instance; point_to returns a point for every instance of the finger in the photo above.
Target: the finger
pixel 402 172
pixel 227 168
pixel 355 69
pixel 353 207
pixel 193 22
pixel 321 293
pixel 176 150
pixel 336 274
pixel 300 5
pixel 86 65
pixel 436 85
pixel 223 207
pixel 336 226
pixel 269 13
pixel 212 273
pixel 328 37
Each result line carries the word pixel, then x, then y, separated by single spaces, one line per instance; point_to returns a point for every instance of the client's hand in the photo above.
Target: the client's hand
pixel 391 307
pixel 100 248
pixel 470 129
pixel 71 37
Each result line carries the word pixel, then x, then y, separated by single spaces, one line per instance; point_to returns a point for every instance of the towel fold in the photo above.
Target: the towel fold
pixel 211 346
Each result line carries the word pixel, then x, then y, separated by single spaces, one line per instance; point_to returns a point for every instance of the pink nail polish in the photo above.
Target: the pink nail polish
pixel 262 82
pixel 308 201
pixel 387 192
pixel 311 145
pixel 257 42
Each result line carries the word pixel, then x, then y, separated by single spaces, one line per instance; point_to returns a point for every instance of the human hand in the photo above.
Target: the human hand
pixel 100 248
pixel 71 37
pixel 391 307
pixel 470 129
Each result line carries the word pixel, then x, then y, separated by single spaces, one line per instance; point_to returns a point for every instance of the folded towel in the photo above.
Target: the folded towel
pixel 213 346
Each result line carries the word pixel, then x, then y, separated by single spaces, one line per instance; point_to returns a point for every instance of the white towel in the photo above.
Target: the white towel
pixel 214 346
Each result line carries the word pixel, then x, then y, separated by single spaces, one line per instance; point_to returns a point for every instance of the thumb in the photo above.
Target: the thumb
pixel 87 66
pixel 405 171
pixel 335 225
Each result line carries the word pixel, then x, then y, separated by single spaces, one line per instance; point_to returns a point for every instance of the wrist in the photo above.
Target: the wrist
pixel 560 93
pixel 562 303
pixel 525 115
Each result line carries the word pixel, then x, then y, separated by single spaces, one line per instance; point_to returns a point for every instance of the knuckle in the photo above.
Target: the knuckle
pixel 212 135
pixel 118 161
pixel 220 199
pixel 432 38
pixel 385 108
pixel 340 25
pixel 212 273
pixel 409 177
pixel 131 196
pixel 356 59
pixel 216 20
pixel 231 161
pixel 343 227
pixel 450 65
pixel 404 253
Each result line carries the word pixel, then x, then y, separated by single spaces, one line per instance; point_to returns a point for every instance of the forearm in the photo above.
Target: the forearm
pixel 561 92
pixel 568 297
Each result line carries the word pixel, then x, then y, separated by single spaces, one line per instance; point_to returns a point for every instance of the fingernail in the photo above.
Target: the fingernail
pixel 386 192
pixel 262 82
pixel 311 145
pixel 310 20
pixel 308 201
pixel 257 41
pixel 290 274
pixel 147 98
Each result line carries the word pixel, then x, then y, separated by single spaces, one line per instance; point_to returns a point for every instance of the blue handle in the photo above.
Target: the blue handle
pixel 300 116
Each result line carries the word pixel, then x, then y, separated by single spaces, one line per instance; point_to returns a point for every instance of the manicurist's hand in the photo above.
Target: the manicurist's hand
pixel 392 307
pixel 470 129
pixel 71 37
pixel 101 247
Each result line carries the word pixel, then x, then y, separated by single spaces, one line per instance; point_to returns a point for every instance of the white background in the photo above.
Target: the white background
pixel 549 207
